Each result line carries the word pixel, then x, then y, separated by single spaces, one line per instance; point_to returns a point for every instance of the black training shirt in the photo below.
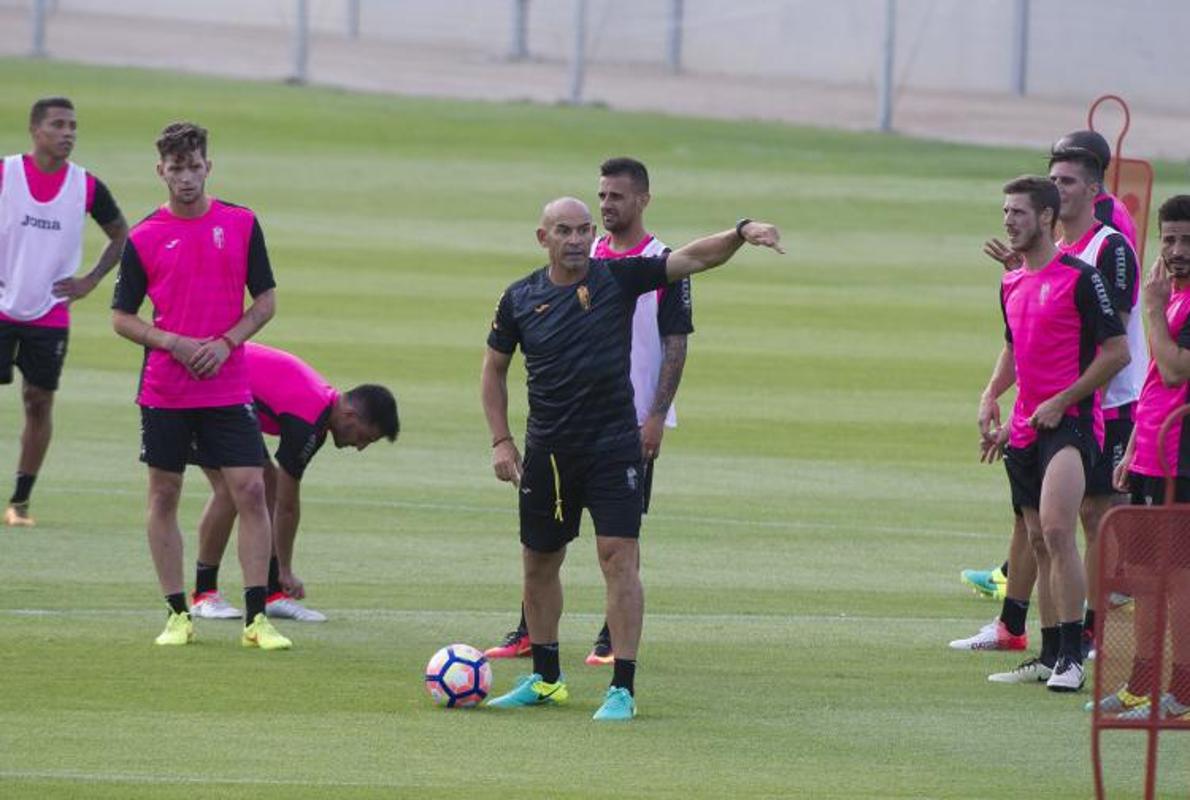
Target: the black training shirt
pixel 577 343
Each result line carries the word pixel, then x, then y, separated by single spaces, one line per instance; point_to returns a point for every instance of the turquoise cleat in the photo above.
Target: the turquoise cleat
pixel 619 705
pixel 990 583
pixel 531 690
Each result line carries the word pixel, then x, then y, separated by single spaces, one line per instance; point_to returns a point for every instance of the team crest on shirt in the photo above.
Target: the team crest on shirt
pixel 584 297
pixel 1044 293
pixel 217 235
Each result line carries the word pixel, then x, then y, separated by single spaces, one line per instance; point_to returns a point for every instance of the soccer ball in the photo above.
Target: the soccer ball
pixel 458 676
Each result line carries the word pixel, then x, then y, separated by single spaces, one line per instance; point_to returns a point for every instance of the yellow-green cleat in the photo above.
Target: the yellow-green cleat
pixel 531 690
pixel 178 630
pixel 989 583
pixel 262 634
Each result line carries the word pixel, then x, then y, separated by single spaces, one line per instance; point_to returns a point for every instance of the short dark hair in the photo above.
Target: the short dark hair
pixel 378 408
pixel 1090 163
pixel 1041 191
pixel 182 139
pixel 627 166
pixel 1086 141
pixel 1175 209
pixel 41 108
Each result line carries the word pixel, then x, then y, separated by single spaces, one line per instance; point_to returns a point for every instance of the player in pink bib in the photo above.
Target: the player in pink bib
pixel 44 203
pixel 1166 388
pixel 297 405
pixel 1063 339
pixel 194 258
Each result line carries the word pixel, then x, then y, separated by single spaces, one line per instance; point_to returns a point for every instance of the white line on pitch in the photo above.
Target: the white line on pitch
pixel 419 615
pixel 686 519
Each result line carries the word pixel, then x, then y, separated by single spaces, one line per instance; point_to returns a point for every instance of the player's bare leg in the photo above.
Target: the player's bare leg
pixel 1062 491
pixel 165 546
pixel 214 532
pixel 619 559
pixel 35 442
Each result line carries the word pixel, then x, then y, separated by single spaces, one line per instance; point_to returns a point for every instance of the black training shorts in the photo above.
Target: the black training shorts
pixel 556 487
pixel 37 351
pixel 222 436
pixel 1026 465
pixel 1116 433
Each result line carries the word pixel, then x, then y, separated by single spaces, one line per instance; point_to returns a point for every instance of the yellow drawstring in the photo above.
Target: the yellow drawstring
pixel 557 489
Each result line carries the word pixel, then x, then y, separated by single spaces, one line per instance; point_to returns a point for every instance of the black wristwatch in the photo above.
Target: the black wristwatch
pixel 739 227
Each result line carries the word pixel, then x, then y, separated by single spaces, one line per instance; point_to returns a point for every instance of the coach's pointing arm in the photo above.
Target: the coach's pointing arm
pixel 711 251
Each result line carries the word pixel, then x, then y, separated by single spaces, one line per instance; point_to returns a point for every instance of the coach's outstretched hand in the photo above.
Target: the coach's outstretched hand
pixel 762 234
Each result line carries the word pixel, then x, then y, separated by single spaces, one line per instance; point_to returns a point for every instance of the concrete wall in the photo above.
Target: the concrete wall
pixel 1077 48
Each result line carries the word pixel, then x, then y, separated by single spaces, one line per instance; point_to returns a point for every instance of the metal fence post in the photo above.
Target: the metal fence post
pixel 38 25
pixel 675 35
pixel 1020 47
pixel 518 50
pixel 888 58
pixel 353 19
pixel 301 42
pixel 578 63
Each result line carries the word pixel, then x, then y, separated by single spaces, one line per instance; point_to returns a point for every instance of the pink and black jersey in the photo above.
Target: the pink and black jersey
pixel 195 272
pixel 41 216
pixel 1055 318
pixel 1110 211
pixel 1158 401
pixel 292 401
pixel 664 312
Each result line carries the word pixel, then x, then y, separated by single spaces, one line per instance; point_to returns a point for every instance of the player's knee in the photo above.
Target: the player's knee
pixel 247 492
pixel 617 557
pixel 163 497
pixel 38 404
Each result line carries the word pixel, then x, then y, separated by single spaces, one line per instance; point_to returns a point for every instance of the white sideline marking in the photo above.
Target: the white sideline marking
pixel 132 777
pixel 418 615
pixel 693 520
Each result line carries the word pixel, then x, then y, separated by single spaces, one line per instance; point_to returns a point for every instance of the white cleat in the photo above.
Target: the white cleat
pixel 1031 671
pixel 1068 676
pixel 211 605
pixel 288 608
pixel 994 636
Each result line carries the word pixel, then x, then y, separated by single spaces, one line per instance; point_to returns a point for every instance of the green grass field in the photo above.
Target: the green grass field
pixel 809 520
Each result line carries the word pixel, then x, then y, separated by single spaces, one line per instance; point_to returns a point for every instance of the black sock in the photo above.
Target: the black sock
pixel 24 488
pixel 1049 645
pixel 254 597
pixel 624 674
pixel 605 635
pixel 1013 614
pixel 1089 621
pixel 1071 644
pixel 545 661
pixel 206 578
pixel 274 576
pixel 177 602
pixel 1004 568
pixel 524 626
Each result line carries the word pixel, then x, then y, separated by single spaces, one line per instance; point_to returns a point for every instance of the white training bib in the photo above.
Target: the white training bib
pixel 646 348
pixel 40 243
pixel 1125 387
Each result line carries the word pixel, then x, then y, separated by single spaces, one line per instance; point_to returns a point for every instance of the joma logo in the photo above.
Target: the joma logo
pixel 44 224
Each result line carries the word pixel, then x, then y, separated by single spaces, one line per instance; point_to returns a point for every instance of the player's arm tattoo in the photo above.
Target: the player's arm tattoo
pixel 673 361
pixel 117 234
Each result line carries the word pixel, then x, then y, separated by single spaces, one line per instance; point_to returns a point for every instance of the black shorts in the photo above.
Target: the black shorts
pixel 556 487
pixel 38 352
pixel 1150 491
pixel 1143 550
pixel 1026 466
pixel 1116 433
pixel 223 436
pixel 203 458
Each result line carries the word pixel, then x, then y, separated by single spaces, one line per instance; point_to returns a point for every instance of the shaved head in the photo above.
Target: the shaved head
pixel 563 207
pixel 567 233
